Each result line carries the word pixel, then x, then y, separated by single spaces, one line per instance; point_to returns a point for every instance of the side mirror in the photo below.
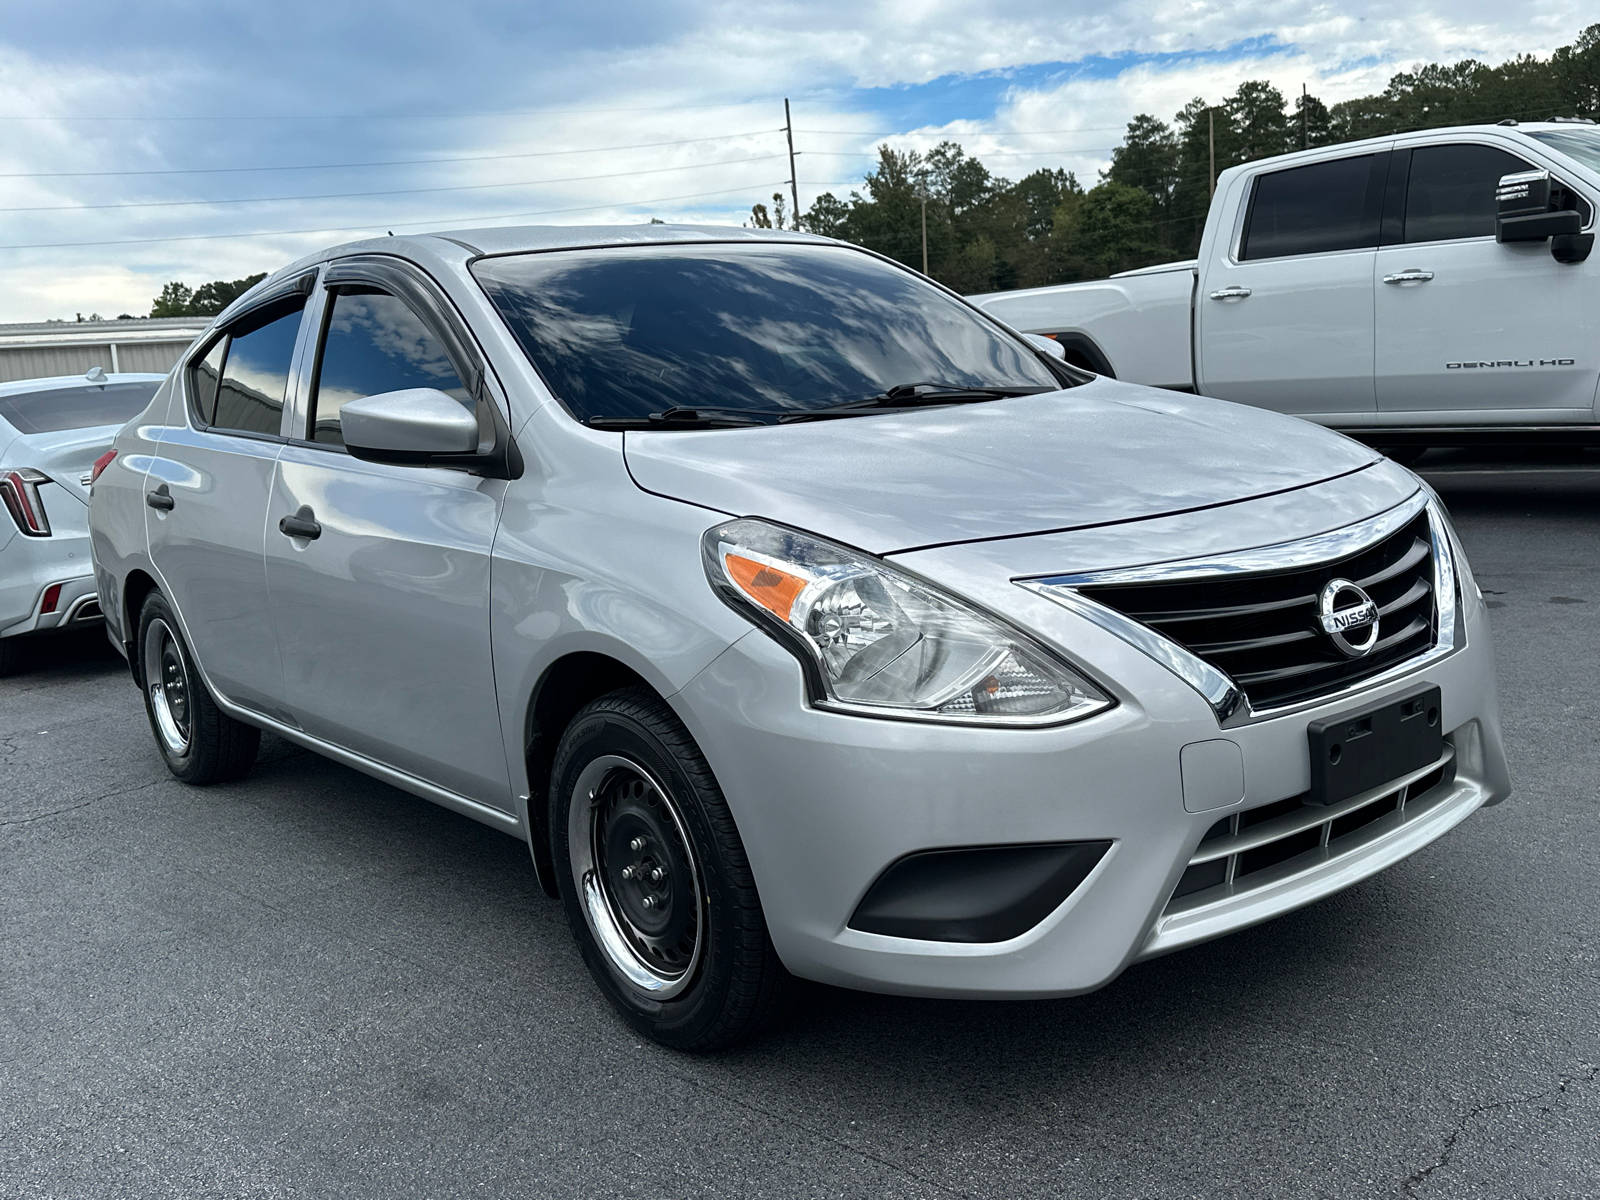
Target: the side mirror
pixel 413 426
pixel 1049 345
pixel 1525 212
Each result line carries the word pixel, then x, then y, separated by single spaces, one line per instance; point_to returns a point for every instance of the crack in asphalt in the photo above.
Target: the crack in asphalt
pixel 1417 1178
pixel 56 812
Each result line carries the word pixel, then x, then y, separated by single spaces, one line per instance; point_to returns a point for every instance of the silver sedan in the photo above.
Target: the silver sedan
pixel 801 618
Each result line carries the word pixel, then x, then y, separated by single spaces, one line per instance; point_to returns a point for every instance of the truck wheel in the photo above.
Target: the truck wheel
pixel 655 880
pixel 199 742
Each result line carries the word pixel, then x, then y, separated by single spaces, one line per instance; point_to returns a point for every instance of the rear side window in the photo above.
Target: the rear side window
pixel 203 379
pixel 1451 191
pixel 77 407
pixel 1314 209
pixel 375 343
pixel 255 371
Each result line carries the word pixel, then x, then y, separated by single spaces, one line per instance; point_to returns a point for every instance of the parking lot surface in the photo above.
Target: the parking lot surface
pixel 310 984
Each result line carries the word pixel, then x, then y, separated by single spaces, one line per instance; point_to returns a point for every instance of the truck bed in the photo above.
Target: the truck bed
pixel 1136 324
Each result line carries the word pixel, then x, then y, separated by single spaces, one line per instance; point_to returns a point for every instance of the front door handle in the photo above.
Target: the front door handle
pixel 160 498
pixel 302 525
pixel 1412 276
pixel 1230 293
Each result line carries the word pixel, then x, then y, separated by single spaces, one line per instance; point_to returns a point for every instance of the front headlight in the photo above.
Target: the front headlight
pixel 876 641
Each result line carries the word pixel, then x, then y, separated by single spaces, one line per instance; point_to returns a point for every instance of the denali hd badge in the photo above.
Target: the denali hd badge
pixel 1345 610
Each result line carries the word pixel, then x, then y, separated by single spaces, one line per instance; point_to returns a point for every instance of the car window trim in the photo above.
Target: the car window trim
pixel 277 295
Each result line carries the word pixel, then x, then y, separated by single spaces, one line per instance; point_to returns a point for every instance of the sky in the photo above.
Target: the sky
pixel 142 143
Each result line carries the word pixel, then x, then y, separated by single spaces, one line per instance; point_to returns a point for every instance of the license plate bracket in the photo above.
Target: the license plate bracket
pixel 1365 748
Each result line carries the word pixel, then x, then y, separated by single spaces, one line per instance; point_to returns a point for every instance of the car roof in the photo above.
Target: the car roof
pixel 21 387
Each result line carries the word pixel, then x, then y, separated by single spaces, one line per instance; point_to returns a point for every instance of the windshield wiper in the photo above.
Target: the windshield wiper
pixel 681 416
pixel 913 395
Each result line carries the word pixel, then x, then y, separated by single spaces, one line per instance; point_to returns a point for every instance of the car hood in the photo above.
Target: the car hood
pixel 1099 454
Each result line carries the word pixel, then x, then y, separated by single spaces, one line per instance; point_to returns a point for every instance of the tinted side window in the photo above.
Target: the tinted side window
pixel 203 379
pixel 374 343
pixel 1312 210
pixel 1451 192
pixel 255 374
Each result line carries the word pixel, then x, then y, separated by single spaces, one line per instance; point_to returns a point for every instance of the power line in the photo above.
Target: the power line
pixel 398 162
pixel 967 133
pixel 469 187
pixel 510 112
pixel 437 221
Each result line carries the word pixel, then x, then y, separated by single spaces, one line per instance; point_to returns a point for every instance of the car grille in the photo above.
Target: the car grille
pixel 1262 845
pixel 1262 629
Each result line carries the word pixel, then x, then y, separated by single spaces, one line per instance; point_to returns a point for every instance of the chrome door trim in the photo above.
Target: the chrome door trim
pixel 1224 696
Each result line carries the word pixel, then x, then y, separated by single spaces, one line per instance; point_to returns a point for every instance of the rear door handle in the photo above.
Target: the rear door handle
pixel 302 525
pixel 1409 277
pixel 160 498
pixel 1230 293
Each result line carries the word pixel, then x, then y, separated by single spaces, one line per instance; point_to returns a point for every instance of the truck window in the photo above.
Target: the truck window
pixel 1450 193
pixel 1313 210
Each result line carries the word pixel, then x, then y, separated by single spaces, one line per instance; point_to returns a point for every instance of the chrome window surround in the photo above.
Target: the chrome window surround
pixel 1225 697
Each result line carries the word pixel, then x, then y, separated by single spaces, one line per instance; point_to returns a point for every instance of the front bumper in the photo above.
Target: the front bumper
pixel 825 802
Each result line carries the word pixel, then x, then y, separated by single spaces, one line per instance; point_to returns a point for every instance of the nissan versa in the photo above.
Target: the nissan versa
pixel 802 618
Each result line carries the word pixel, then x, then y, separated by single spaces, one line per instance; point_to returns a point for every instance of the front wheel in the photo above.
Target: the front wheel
pixel 199 742
pixel 655 880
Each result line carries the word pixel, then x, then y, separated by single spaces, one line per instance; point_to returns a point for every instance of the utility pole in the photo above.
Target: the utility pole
pixel 1305 118
pixel 924 227
pixel 794 188
pixel 1211 120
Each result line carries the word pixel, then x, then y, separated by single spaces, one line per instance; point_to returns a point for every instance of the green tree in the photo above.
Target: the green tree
pixel 207 300
pixel 1110 228
pixel 173 301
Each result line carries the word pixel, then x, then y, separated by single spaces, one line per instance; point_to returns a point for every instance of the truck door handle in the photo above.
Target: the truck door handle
pixel 1412 276
pixel 302 525
pixel 1230 293
pixel 160 498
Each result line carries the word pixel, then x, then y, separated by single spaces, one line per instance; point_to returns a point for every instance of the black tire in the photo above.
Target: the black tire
pixel 199 742
pixel 629 778
pixel 12 655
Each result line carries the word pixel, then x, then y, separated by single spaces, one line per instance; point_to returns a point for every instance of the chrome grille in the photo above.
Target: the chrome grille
pixel 1261 629
pixel 1262 845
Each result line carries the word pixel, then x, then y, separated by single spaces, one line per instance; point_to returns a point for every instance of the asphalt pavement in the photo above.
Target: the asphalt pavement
pixel 310 984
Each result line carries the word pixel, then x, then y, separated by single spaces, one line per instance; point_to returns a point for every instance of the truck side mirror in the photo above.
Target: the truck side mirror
pixel 1525 213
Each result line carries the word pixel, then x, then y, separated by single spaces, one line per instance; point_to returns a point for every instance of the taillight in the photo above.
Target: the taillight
pixel 100 464
pixel 20 489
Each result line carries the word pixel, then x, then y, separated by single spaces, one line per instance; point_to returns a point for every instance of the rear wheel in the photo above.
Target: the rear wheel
pixel 655 880
pixel 12 655
pixel 199 742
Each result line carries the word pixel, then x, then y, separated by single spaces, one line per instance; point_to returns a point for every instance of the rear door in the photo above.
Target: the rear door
pixel 206 499
pixel 383 616
pixel 1465 324
pixel 1283 317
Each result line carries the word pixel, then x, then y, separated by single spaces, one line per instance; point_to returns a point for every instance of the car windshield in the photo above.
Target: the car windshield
pixel 54 409
pixel 763 329
pixel 1582 144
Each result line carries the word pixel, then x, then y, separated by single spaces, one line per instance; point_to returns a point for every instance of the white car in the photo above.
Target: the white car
pixel 51 433
pixel 800 618
pixel 1428 289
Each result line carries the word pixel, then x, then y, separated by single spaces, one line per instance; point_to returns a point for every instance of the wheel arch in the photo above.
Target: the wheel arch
pixel 564 687
pixel 135 588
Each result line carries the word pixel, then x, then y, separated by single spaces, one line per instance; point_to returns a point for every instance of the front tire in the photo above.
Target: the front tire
pixel 199 742
pixel 655 881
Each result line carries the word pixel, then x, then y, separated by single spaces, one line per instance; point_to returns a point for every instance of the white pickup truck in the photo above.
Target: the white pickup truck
pixel 1428 289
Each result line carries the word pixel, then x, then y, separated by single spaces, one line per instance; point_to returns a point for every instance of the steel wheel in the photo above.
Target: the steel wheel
pixel 167 679
pixel 636 876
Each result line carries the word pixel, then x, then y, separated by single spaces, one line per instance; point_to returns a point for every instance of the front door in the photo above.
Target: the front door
pixel 383 616
pixel 1465 324
pixel 1284 319
pixel 206 501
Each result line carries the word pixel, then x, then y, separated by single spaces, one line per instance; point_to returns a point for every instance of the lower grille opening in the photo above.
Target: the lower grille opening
pixel 1242 851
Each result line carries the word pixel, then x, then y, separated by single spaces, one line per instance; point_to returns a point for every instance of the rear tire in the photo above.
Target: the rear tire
pixel 12 655
pixel 655 881
pixel 198 741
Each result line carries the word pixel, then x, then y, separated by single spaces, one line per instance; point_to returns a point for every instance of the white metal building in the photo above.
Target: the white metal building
pixel 74 347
